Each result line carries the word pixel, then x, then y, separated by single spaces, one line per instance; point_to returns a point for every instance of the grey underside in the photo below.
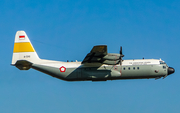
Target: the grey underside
pixel 103 73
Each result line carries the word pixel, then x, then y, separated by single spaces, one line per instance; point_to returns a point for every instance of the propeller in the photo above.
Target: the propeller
pixel 121 55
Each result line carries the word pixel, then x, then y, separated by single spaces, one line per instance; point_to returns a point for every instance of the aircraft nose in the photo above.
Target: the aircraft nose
pixel 171 70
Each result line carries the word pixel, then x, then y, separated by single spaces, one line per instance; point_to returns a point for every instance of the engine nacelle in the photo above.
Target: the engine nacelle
pixel 112 56
pixel 111 62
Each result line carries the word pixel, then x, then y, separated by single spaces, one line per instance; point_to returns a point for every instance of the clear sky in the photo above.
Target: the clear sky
pixel 67 30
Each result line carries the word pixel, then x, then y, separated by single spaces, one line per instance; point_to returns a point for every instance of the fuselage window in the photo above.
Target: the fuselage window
pixel 129 68
pixel 133 67
pixel 137 67
pixel 164 67
pixel 124 68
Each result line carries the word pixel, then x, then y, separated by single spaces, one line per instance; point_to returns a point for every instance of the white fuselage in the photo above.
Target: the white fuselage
pixel 130 69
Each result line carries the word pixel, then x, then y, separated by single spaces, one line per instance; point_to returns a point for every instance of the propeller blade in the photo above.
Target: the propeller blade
pixel 121 55
pixel 121 50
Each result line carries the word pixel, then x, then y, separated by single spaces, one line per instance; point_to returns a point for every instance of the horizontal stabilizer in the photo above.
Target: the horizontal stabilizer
pixel 23 65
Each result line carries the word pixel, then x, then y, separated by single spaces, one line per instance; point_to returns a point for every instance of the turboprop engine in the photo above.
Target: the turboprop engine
pixel 111 56
pixel 111 59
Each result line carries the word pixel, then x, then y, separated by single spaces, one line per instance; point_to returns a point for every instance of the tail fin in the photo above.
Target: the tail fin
pixel 23 49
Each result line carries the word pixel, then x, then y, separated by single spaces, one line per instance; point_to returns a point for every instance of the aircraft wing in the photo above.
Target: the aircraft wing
pixel 96 55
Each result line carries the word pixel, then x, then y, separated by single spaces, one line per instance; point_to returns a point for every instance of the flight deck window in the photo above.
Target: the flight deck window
pixel 161 62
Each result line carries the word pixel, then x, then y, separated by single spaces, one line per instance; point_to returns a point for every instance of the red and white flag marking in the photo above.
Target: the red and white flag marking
pixel 21 37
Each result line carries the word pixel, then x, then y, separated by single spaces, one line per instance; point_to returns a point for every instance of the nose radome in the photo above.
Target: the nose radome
pixel 171 70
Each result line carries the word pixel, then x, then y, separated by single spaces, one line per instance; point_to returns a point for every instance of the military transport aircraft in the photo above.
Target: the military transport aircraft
pixel 98 65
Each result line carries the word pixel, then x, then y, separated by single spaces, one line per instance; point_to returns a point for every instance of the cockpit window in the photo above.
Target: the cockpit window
pixel 162 62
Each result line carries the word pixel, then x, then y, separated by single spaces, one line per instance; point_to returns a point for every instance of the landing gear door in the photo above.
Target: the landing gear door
pixel 118 70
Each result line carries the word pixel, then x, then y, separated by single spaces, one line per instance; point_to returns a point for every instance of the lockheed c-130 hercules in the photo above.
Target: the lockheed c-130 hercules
pixel 98 65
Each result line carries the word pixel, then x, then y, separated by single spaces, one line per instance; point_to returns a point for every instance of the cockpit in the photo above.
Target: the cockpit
pixel 164 66
pixel 170 69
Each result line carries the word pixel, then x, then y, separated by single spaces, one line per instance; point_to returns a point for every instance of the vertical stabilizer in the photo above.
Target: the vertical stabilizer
pixel 23 49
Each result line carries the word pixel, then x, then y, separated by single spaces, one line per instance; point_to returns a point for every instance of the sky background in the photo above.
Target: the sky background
pixel 67 30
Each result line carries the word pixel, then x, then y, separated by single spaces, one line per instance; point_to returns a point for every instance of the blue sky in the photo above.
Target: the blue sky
pixel 67 30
